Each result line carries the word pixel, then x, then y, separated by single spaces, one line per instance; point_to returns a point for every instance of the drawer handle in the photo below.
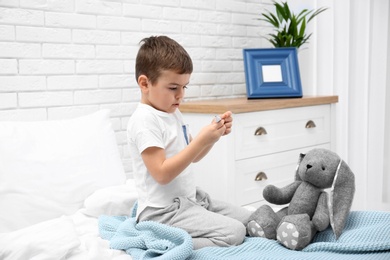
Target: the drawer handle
pixel 260 131
pixel 310 124
pixel 261 176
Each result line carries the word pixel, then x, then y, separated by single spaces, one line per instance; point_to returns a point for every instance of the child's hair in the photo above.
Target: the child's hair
pixel 158 53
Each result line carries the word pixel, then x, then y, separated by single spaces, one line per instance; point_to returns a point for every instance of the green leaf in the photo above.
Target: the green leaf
pixel 303 28
pixel 320 10
pixel 280 12
pixel 302 15
pixel 289 27
pixel 286 11
pixel 293 27
pixel 271 19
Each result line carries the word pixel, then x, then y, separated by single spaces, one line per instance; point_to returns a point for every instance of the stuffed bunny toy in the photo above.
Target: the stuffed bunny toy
pixel 311 209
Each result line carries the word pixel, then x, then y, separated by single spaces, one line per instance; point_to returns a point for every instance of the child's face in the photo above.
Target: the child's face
pixel 167 93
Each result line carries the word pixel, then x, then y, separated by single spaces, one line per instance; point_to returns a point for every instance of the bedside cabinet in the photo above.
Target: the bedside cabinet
pixel 264 146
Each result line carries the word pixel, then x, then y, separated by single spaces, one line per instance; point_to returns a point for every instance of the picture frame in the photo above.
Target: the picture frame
pixel 272 73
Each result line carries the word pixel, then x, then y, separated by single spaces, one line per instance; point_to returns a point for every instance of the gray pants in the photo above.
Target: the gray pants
pixel 209 222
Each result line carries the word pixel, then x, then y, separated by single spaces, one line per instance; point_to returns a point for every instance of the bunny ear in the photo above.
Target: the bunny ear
pixel 297 178
pixel 342 193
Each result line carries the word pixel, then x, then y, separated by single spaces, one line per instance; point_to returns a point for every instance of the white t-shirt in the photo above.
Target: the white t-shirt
pixel 149 127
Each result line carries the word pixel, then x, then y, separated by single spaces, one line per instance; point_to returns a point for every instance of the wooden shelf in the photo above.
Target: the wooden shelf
pixel 243 105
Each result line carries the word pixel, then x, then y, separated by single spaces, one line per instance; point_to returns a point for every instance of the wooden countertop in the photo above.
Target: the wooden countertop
pixel 242 105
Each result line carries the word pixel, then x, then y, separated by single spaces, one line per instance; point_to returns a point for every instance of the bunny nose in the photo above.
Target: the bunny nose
pixel 308 166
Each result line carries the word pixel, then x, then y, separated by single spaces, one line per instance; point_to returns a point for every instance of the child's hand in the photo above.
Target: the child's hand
pixel 219 127
pixel 228 121
pixel 212 132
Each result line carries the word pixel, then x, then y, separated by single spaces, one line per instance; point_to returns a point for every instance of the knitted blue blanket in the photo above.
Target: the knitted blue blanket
pixel 145 240
pixel 366 236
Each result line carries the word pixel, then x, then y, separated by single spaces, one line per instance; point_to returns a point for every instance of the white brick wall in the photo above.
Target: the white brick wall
pixel 62 59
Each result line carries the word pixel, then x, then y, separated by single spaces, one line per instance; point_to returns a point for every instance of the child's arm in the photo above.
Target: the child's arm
pixel 227 119
pixel 164 170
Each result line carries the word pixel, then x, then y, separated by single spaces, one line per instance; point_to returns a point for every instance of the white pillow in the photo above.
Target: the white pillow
pixel 115 200
pixel 48 168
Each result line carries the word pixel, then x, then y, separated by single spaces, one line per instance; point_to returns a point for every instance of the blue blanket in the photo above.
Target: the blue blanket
pixel 145 240
pixel 366 236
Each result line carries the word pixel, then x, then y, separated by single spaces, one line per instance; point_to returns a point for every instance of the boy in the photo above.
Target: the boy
pixel 162 151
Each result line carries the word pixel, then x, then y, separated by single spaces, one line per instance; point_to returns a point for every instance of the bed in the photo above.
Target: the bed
pixel 64 195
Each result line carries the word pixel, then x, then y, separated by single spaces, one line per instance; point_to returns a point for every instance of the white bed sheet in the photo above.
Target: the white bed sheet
pixel 73 237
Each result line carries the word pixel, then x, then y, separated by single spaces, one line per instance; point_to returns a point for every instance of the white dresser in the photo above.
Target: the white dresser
pixel 267 137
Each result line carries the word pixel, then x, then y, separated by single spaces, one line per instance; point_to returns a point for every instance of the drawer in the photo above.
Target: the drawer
pixel 279 169
pixel 285 129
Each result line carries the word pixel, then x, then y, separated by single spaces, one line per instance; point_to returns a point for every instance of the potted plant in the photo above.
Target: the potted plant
pixel 289 27
pixel 274 72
